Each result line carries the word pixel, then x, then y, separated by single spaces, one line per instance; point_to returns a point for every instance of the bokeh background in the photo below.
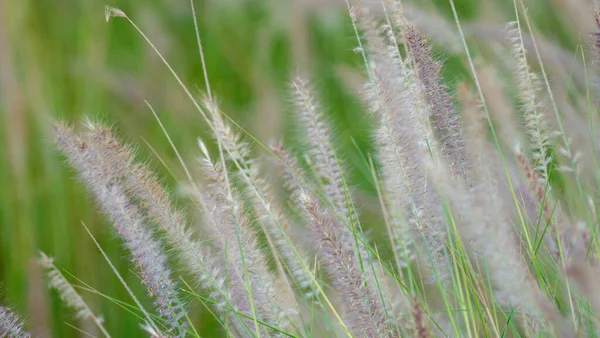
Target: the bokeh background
pixel 60 59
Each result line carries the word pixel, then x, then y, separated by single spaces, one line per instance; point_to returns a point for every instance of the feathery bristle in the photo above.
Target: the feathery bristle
pixel 98 173
pixel 328 170
pixel 292 177
pixel 143 185
pixel 335 249
pixel 441 109
pixel 68 294
pixel 319 138
pixel 65 290
pixel 11 326
pixel 404 141
pixel 529 87
pixel 227 219
pixel 496 244
pixel 544 200
pixel 258 191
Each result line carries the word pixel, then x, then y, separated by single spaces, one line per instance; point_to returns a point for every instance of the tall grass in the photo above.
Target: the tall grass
pixel 481 236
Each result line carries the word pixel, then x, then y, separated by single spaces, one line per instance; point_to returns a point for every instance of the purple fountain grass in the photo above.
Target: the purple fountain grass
pixel 442 190
pixel 569 241
pixel 496 245
pixel 367 316
pixel 319 138
pixel 475 132
pixel 270 213
pixel 529 88
pixel 586 280
pixel 480 204
pixel 543 200
pixel 441 109
pixel 293 176
pixel 494 90
pixel 65 290
pixel 531 208
pixel 141 183
pixel 87 159
pixel 267 209
pixel 404 141
pixel 227 219
pixel 327 169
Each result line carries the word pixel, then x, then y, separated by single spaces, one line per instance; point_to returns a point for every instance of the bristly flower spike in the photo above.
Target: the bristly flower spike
pixel 67 292
pixel 86 156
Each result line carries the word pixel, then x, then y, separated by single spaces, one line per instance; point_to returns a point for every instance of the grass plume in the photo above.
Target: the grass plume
pixel 431 226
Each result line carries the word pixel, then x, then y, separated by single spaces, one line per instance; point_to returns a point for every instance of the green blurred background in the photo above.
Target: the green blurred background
pixel 59 59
